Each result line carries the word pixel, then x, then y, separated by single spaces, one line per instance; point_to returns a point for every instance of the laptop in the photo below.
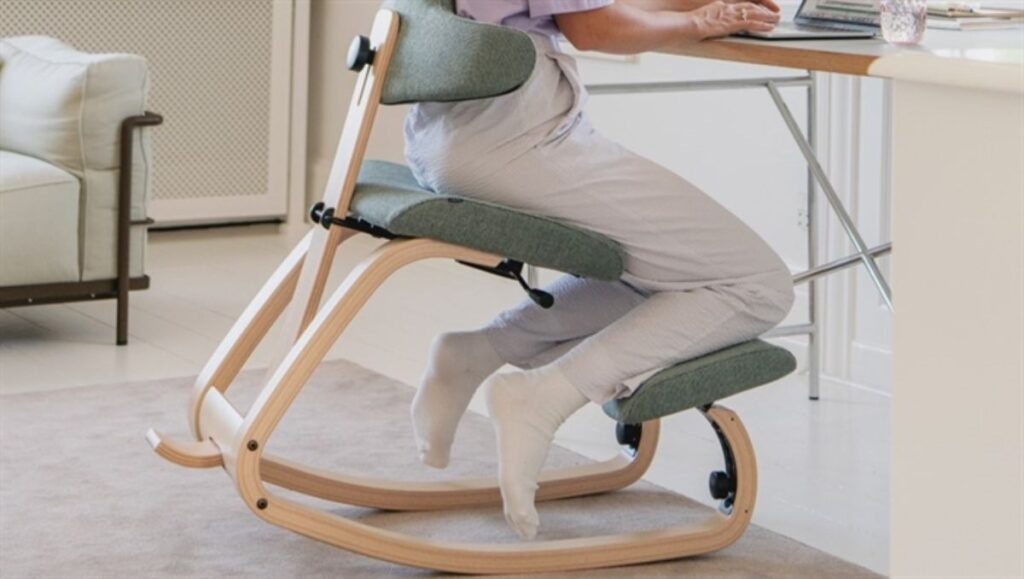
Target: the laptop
pixel 826 19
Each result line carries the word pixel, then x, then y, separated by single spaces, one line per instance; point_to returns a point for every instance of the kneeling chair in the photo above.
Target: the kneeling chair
pixel 420 51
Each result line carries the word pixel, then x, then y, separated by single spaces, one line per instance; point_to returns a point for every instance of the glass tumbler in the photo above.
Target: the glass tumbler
pixel 903 21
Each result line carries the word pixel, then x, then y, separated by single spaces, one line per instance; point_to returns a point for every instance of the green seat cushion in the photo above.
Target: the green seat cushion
pixel 388 196
pixel 703 380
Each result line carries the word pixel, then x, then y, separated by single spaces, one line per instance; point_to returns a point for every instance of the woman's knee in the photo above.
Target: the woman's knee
pixel 767 301
pixel 782 294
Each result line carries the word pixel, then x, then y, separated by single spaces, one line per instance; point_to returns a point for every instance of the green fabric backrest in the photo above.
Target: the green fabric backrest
pixel 442 57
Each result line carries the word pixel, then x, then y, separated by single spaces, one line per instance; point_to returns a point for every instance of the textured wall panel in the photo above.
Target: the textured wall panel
pixel 210 66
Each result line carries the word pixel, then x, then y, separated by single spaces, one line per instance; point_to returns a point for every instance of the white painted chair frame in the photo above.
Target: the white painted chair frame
pixel 226 438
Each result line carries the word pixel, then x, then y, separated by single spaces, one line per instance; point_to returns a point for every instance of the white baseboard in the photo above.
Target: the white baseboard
pixel 798 346
pixel 871 367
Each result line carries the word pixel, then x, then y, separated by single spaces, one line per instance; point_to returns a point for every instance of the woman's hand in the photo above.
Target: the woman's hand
pixel 627 28
pixel 769 4
pixel 725 17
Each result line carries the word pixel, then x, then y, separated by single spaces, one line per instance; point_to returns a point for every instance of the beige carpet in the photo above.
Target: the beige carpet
pixel 81 494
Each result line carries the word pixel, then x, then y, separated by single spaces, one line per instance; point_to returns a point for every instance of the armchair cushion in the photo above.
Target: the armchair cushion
pixel 65 107
pixel 38 222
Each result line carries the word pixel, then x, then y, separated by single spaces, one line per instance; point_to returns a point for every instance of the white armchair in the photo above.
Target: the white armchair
pixel 72 223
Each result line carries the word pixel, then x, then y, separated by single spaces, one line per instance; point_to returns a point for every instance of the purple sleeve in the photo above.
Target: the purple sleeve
pixel 541 8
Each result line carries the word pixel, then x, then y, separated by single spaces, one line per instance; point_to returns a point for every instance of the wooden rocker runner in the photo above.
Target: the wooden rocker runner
pixel 420 51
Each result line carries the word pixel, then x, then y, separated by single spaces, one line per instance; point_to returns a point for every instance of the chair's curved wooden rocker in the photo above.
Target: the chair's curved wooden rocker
pixel 420 51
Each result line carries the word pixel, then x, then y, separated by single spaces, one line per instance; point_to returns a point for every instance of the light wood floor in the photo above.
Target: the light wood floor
pixel 823 465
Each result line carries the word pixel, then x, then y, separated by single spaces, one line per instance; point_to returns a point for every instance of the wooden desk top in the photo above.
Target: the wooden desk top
pixel 992 59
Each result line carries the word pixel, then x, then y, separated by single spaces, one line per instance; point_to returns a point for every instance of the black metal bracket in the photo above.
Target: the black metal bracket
pixel 723 483
pixel 508 268
pixel 323 215
pixel 317 213
pixel 629 435
pixel 514 270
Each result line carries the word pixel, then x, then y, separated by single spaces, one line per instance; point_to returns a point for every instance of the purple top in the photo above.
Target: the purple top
pixel 526 15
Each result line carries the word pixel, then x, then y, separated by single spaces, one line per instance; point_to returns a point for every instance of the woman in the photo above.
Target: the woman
pixel 696 278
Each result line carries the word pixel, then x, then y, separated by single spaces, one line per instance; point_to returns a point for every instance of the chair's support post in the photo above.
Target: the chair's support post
pixel 341 183
pixel 124 216
pixel 223 422
pixel 250 330
pixel 247 332
pixel 301 279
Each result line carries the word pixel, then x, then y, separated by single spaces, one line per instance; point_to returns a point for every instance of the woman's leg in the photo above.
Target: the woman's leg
pixel 670 327
pixel 527 407
pixel 702 263
pixel 524 336
pixel 582 307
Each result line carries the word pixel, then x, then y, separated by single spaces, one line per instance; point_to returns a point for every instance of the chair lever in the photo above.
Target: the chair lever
pixel 514 269
pixel 539 297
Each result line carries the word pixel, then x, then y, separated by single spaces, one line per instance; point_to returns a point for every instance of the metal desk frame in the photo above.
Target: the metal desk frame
pixel 815 176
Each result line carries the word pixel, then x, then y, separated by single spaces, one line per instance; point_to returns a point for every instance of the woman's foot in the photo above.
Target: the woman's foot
pixel 527 407
pixel 459 361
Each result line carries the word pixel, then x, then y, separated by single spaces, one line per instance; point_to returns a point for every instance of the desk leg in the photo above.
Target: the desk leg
pixel 830 194
pixel 814 335
pixel 958 337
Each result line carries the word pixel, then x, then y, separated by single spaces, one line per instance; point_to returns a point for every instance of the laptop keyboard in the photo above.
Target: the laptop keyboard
pixel 825 27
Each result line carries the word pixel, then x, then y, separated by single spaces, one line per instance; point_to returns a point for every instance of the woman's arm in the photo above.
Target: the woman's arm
pixel 662 5
pixel 623 28
pixel 685 5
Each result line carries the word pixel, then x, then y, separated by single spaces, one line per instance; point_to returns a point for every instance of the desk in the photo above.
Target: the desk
pixel 958 271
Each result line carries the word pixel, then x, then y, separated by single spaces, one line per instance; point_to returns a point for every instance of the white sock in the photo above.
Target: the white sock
pixel 459 361
pixel 527 407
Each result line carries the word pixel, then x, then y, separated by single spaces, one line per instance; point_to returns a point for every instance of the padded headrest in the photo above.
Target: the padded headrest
pixel 440 56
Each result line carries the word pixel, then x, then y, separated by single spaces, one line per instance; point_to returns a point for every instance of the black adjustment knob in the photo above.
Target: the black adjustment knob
pixel 316 211
pixel 327 218
pixel 360 54
pixel 720 485
pixel 628 434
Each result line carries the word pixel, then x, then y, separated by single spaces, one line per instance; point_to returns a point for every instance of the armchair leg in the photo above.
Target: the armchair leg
pixel 124 217
pixel 122 312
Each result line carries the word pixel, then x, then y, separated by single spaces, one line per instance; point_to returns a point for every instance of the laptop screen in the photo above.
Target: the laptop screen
pixel 856 12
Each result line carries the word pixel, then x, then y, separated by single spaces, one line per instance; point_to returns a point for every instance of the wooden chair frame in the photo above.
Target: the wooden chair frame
pixel 226 438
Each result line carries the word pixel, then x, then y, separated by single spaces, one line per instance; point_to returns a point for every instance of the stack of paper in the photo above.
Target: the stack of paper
pixel 961 16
